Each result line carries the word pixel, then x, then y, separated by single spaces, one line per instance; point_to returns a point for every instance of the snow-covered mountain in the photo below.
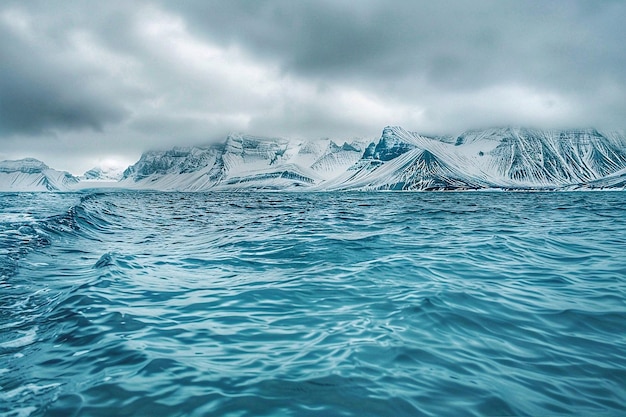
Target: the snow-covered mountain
pixel 33 175
pixel 503 158
pixel 103 174
pixel 243 162
pixel 507 158
pixel 616 181
pixel 499 158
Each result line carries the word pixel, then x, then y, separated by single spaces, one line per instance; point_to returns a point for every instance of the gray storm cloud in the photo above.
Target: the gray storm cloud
pixel 83 81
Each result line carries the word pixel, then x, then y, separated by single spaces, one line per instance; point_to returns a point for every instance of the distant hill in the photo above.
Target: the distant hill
pixel 102 174
pixel 30 174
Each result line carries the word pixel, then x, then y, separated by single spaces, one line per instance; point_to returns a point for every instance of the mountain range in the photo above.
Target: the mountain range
pixel 497 158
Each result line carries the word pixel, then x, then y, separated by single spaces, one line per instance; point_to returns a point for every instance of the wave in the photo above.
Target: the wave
pixel 301 304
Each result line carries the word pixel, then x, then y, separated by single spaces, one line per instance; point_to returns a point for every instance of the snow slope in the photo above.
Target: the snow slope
pixel 499 158
pixel 503 158
pixel 243 162
pixel 507 158
pixel 33 175
pixel 102 174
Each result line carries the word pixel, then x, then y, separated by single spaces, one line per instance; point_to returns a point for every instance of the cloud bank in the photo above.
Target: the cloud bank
pixel 82 82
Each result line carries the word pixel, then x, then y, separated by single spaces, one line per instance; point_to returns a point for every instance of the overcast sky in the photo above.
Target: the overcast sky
pixel 84 83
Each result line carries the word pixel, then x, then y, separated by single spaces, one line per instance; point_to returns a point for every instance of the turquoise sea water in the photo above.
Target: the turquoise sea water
pixel 313 304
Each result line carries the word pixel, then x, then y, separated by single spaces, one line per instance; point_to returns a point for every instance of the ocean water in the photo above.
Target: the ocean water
pixel 313 304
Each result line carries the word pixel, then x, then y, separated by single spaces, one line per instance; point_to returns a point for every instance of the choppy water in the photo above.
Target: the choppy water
pixel 426 304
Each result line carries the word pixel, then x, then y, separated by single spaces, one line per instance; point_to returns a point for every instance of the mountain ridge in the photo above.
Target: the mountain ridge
pixel 508 158
pixel 30 174
pixel 503 158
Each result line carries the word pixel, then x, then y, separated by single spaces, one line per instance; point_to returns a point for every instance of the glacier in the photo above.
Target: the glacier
pixel 31 174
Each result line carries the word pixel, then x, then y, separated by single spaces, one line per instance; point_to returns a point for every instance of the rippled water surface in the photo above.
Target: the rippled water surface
pixel 327 304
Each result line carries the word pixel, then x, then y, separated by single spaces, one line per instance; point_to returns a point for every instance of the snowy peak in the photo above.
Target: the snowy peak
pixel 30 174
pixel 337 158
pixel 509 158
pixel 174 161
pixel 255 146
pixel 393 143
pixel 102 174
pixel 497 158
pixel 25 166
pixel 252 151
pixel 505 158
pixel 243 162
pixel 528 156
